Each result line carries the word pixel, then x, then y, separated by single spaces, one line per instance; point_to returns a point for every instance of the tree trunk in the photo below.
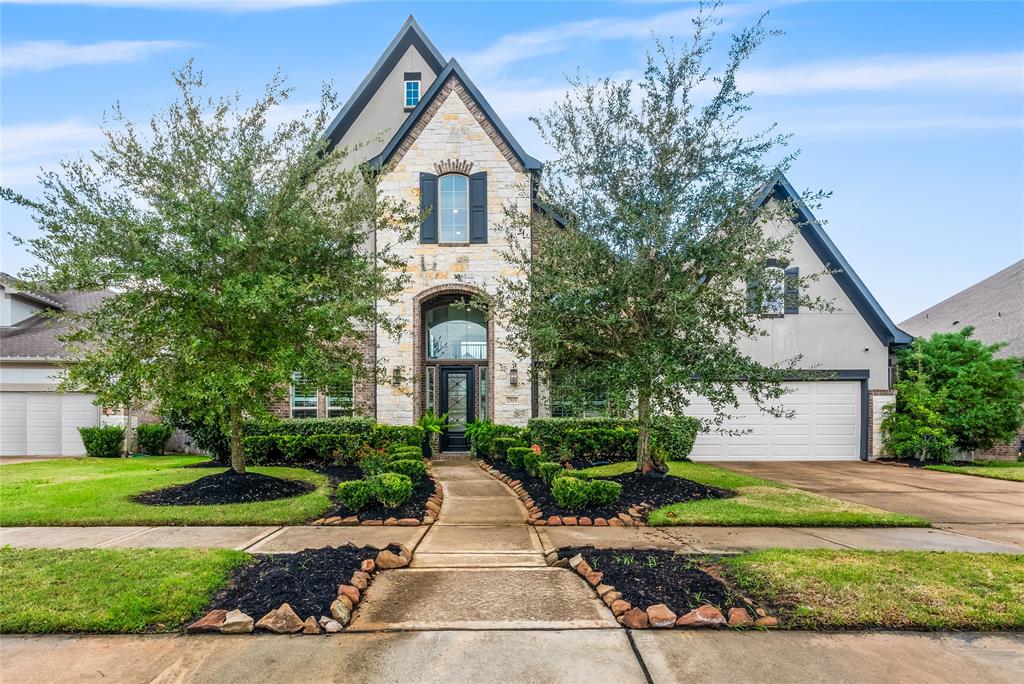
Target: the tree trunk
pixel 643 426
pixel 237 455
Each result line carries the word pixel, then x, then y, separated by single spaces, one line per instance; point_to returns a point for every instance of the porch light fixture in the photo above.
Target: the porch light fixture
pixel 513 376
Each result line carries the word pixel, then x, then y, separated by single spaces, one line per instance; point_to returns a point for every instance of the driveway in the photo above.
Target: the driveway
pixel 977 506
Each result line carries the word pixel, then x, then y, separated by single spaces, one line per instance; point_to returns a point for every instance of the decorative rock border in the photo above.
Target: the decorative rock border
pixel 284 620
pixel 433 510
pixel 660 616
pixel 634 516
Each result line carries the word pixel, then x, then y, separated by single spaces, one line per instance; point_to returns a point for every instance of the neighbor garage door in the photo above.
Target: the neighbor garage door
pixel 44 423
pixel 826 426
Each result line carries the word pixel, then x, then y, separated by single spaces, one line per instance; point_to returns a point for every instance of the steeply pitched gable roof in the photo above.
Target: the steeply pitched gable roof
pixel 409 35
pixel 854 288
pixel 454 70
pixel 994 307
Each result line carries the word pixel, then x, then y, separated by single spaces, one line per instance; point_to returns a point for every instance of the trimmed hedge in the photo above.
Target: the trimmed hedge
pixel 572 493
pixel 307 427
pixel 391 489
pixel 503 444
pixel 329 448
pixel 485 434
pixel 612 439
pixel 594 444
pixel 415 470
pixel 549 470
pixel 516 456
pixel 153 437
pixel 551 433
pixel 355 494
pixel 672 438
pixel 406 452
pixel 389 436
pixel 102 442
pixel 326 440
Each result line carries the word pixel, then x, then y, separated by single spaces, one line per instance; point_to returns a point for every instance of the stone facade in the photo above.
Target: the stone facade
pixel 452 131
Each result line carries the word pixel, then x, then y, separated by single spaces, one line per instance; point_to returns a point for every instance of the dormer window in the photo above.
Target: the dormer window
pixel 412 89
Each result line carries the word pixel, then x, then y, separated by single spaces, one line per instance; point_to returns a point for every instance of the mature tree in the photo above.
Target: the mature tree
pixel 235 250
pixel 979 397
pixel 913 426
pixel 637 287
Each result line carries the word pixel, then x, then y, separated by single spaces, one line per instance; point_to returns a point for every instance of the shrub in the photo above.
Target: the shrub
pixel 913 426
pixel 503 444
pixel 602 493
pixel 259 449
pixel 406 452
pixel 388 436
pixel 102 442
pixel 672 437
pixel 373 463
pixel 415 470
pixel 307 427
pixel 153 437
pixel 600 443
pixel 391 489
pixel 516 456
pixel 570 492
pixel 205 429
pixel 485 433
pixel 329 448
pixel 549 470
pixel 290 447
pixel 550 433
pixel 354 494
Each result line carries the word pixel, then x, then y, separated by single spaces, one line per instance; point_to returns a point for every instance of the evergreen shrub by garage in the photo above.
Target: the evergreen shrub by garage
pixel 153 437
pixel 102 442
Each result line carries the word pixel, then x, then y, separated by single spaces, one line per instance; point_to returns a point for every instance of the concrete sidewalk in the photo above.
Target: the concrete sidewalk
pixel 687 539
pixel 541 656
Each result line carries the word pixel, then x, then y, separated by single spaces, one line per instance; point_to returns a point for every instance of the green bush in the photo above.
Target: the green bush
pixel 570 492
pixel 153 437
pixel 672 437
pixel 600 443
pixel 602 493
pixel 551 433
pixel 549 470
pixel 102 442
pixel 373 463
pixel 330 448
pixel 391 489
pixel 354 494
pixel 482 435
pixel 389 436
pixel 291 447
pixel 612 439
pixel 415 470
pixel 913 426
pixel 307 427
pixel 503 444
pixel 405 452
pixel 259 449
pixel 516 456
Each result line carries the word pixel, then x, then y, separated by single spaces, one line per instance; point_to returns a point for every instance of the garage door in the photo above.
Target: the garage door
pixel 826 426
pixel 44 423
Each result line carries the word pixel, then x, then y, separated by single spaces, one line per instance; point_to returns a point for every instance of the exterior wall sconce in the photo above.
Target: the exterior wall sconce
pixel 513 376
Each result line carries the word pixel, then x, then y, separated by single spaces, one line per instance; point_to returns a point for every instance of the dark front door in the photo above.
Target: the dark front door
pixel 457 401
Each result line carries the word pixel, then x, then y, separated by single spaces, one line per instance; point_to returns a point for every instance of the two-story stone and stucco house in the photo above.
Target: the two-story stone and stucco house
pixel 449 151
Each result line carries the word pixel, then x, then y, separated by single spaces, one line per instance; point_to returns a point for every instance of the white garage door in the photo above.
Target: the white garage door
pixel 44 423
pixel 826 426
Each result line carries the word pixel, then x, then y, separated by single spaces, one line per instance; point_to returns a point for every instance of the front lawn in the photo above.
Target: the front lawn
pixel 824 589
pixel 997 470
pixel 759 503
pixel 97 491
pixel 108 590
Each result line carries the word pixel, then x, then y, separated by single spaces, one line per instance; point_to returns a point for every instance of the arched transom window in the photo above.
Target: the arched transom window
pixel 456 332
pixel 453 208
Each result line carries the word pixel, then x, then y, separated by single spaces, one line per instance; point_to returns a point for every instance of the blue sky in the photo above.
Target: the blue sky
pixel 912 114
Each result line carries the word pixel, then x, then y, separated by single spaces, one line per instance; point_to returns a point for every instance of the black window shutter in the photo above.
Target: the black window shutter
pixel 478 207
pixel 792 292
pixel 428 198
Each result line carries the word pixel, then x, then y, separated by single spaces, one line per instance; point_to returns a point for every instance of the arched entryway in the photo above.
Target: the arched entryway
pixel 454 358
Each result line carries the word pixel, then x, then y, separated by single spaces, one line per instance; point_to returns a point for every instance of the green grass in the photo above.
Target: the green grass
pixel 108 590
pixel 824 589
pixel 96 491
pixel 997 470
pixel 759 503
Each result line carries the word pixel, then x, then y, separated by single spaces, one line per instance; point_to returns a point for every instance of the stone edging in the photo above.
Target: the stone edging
pixel 632 517
pixel 659 616
pixel 284 620
pixel 433 509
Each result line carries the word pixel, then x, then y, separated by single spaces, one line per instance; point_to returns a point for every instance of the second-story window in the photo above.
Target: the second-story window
pixel 412 92
pixel 453 208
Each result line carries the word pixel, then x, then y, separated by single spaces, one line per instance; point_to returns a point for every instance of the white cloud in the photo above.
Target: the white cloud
pixel 43 55
pixel 219 5
pixel 27 147
pixel 1002 72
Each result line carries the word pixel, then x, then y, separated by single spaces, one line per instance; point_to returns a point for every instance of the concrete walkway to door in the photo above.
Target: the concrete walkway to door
pixel 980 507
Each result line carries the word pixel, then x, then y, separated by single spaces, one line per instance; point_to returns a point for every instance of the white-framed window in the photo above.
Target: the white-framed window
pixel 412 94
pixel 453 208
pixel 303 397
pixel 482 414
pixel 431 389
pixel 340 403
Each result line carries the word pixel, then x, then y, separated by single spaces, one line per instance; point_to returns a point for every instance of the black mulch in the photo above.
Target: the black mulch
pixel 649 577
pixel 307 581
pixel 225 488
pixel 636 489
pixel 415 507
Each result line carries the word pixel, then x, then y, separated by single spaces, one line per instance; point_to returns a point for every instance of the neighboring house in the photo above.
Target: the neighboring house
pixel 994 307
pixel 35 419
pixel 450 152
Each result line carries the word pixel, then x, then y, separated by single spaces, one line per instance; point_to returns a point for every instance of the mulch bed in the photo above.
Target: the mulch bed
pixel 415 507
pixel 307 581
pixel 649 577
pixel 227 487
pixel 636 489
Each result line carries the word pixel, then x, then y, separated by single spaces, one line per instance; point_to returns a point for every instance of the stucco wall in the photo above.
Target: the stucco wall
pixel 29 377
pixel 453 133
pixel 838 340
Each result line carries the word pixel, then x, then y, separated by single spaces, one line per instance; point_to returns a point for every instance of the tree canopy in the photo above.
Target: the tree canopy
pixel 235 251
